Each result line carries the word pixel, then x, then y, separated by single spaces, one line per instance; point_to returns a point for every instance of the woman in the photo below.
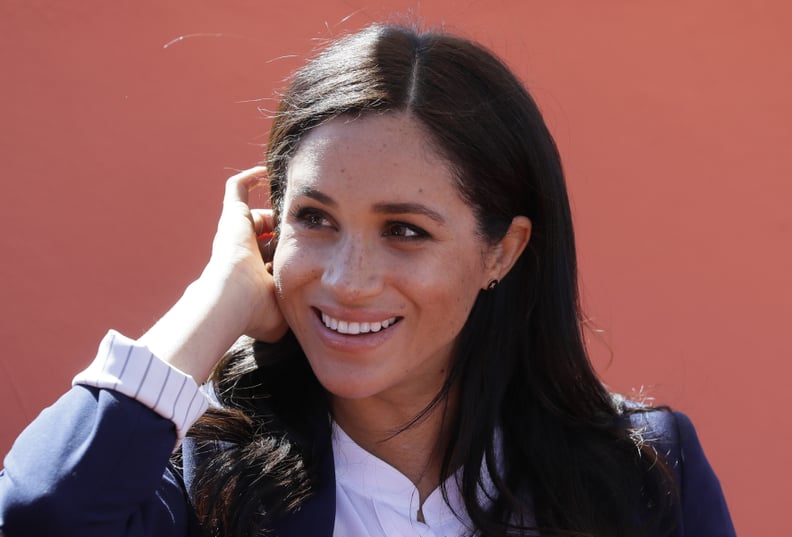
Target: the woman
pixel 418 366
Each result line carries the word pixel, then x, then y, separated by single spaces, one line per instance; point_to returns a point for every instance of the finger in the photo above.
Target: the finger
pixel 263 221
pixel 263 225
pixel 239 185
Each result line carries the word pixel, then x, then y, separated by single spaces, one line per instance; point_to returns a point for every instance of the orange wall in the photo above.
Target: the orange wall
pixel 674 119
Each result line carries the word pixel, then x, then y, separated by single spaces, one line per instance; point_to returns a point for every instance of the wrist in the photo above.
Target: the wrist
pixel 195 333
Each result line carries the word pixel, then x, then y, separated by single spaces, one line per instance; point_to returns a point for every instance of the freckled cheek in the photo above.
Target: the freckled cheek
pixel 294 266
pixel 448 291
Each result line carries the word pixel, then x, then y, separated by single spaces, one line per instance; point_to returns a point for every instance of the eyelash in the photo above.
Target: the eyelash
pixel 310 218
pixel 315 219
pixel 418 233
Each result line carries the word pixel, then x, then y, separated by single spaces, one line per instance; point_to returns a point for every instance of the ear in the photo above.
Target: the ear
pixel 502 256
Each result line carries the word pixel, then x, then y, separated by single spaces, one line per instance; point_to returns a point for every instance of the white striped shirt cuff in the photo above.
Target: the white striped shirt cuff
pixel 128 367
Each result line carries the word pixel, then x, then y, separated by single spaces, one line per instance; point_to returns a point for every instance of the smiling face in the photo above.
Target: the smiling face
pixel 379 260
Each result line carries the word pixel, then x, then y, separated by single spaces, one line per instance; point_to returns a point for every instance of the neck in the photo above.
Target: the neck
pixel 417 452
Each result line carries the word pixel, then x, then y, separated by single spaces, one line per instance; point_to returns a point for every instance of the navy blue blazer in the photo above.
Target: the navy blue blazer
pixel 96 464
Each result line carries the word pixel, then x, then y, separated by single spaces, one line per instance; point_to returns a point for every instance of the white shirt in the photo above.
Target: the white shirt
pixel 374 499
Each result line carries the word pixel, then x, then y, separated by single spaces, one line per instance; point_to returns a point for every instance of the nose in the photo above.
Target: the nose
pixel 353 271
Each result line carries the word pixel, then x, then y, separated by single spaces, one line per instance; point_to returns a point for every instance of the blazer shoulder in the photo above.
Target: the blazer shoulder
pixel 657 426
pixel 702 508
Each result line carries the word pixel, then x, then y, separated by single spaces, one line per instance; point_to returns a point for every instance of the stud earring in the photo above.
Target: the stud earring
pixel 492 284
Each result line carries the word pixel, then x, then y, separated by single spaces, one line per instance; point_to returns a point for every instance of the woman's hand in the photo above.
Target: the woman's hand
pixel 243 243
pixel 234 295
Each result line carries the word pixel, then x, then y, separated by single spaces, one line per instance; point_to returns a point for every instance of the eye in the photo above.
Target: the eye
pixel 400 230
pixel 311 218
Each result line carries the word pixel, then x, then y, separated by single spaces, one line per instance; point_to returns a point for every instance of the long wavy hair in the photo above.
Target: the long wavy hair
pixel 569 463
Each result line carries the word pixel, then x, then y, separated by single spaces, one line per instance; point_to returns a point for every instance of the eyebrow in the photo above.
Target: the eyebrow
pixel 312 193
pixel 408 208
pixel 380 208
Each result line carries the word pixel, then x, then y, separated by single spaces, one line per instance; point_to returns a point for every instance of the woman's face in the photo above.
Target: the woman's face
pixel 379 260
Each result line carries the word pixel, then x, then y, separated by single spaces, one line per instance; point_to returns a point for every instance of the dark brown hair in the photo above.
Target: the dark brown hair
pixel 570 463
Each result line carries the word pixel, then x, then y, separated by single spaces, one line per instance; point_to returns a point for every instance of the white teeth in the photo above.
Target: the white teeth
pixel 354 328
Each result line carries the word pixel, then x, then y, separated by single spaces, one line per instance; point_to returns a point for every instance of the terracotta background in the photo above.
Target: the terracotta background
pixel 674 119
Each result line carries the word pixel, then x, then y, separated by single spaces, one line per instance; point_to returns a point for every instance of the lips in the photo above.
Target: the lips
pixel 356 327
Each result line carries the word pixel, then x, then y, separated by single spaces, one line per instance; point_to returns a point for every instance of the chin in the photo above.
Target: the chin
pixel 346 389
pixel 350 385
